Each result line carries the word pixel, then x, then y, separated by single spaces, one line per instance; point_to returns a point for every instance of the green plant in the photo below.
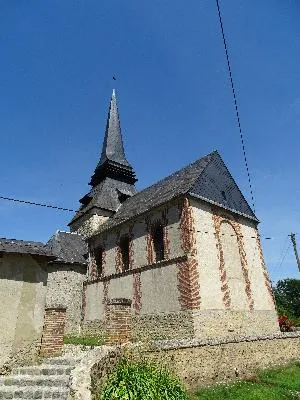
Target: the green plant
pixel 141 381
pixel 287 296
pixel 88 340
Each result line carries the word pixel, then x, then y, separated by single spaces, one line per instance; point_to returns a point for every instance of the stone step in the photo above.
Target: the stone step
pixel 32 380
pixel 35 392
pixel 60 361
pixel 43 370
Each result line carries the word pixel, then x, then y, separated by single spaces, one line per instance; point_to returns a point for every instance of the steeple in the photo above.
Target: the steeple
pixel 112 182
pixel 113 163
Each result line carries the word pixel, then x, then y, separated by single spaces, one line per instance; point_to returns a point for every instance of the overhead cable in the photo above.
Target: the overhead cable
pixel 235 104
pixel 32 203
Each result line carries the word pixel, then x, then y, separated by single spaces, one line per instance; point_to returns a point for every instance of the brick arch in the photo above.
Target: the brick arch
pixel 233 266
pixel 265 271
pixel 220 218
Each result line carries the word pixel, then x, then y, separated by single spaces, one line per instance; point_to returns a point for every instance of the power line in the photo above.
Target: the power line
pixel 284 255
pixel 235 103
pixel 32 203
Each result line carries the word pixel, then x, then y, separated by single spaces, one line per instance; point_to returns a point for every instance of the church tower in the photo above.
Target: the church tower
pixel 112 182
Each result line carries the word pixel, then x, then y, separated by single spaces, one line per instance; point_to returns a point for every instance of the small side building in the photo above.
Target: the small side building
pixel 23 279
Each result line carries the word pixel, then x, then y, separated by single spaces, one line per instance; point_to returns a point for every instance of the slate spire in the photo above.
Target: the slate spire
pixel 113 163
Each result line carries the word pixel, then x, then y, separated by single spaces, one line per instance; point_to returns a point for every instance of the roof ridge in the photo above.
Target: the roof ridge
pixel 22 240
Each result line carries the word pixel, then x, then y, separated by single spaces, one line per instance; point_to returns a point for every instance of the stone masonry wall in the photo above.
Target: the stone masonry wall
pixel 196 362
pixel 64 287
pixel 53 332
pixel 89 223
pixel 93 328
pixel 208 362
pixel 177 325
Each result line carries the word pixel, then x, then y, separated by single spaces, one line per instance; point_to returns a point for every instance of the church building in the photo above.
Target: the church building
pixel 183 256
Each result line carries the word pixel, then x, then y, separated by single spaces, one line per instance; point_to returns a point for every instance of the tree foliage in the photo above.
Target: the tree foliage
pixel 287 296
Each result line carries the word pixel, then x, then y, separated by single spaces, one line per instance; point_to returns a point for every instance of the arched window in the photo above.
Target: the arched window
pixel 98 254
pixel 124 248
pixel 158 242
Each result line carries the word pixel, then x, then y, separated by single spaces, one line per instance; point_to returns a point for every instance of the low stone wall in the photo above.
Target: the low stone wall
pixel 91 372
pixel 208 362
pixel 195 362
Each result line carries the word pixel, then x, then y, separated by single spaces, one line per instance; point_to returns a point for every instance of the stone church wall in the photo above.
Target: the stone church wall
pixel 64 289
pixel 212 282
pixel 157 312
pixel 235 290
pixel 152 286
pixel 22 299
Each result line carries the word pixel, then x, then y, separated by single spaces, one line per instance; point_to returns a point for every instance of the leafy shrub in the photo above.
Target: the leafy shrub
pixel 287 295
pixel 141 381
pixel 88 340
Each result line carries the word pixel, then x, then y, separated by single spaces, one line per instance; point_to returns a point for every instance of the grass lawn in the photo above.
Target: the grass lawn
pixel 88 340
pixel 287 378
pixel 279 383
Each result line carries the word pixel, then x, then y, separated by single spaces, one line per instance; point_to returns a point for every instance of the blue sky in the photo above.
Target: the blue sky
pixel 57 62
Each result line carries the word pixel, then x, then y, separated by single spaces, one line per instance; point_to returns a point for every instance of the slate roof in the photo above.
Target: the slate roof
pixel 105 196
pixel 216 185
pixel 207 178
pixel 113 148
pixel 113 162
pixel 25 247
pixel 68 248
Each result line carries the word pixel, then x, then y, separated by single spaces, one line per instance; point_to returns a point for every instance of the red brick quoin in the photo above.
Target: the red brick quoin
pixel 53 332
pixel 188 284
pixel 137 293
pixel 188 276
